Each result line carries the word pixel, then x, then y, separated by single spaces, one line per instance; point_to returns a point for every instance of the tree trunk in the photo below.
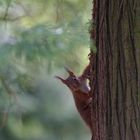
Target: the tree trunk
pixel 115 82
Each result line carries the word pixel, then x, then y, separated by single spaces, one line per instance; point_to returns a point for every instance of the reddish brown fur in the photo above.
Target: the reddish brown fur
pixel 81 93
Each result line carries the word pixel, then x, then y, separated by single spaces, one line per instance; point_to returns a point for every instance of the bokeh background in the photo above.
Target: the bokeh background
pixel 38 38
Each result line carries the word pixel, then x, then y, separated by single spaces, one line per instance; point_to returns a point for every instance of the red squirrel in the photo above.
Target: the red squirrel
pixel 81 93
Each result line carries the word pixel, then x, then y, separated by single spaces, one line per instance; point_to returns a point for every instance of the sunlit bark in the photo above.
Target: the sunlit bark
pixel 115 85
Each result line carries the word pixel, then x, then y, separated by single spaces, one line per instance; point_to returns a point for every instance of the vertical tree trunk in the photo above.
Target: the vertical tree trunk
pixel 116 83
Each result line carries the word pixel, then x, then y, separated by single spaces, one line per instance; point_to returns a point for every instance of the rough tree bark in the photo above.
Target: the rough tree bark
pixel 115 82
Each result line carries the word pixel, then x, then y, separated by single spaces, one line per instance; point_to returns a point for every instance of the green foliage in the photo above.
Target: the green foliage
pixel 37 40
pixel 45 41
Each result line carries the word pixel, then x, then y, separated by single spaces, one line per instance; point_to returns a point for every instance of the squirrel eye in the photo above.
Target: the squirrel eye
pixel 74 78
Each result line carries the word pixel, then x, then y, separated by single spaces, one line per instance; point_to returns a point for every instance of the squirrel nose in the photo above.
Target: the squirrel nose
pixel 57 77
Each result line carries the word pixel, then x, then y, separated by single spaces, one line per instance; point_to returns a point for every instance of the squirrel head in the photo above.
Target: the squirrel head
pixel 73 82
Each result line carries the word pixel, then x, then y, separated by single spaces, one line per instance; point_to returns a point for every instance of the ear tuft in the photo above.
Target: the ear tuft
pixel 69 71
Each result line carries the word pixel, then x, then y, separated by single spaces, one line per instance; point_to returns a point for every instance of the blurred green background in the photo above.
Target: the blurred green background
pixel 37 39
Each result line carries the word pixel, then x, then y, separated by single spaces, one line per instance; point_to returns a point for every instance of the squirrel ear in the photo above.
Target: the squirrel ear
pixel 69 71
pixel 60 79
